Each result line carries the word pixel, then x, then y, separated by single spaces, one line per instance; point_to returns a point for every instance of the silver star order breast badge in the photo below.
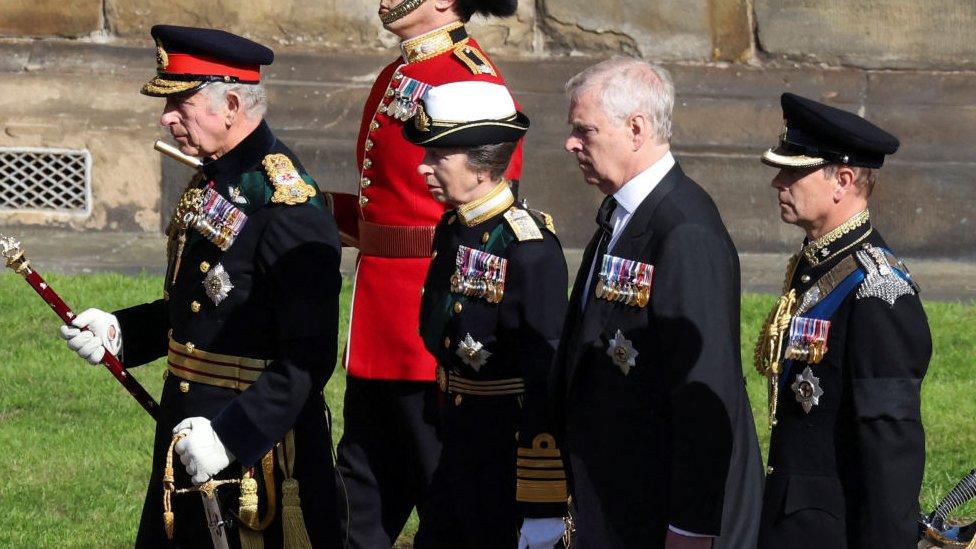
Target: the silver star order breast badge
pixel 217 284
pixel 622 351
pixel 472 353
pixel 807 389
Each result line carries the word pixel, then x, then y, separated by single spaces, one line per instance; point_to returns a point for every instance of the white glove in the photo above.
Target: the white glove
pixel 91 333
pixel 541 533
pixel 200 450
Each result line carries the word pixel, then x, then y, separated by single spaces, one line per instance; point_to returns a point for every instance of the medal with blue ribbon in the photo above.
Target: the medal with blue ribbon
pixel 479 274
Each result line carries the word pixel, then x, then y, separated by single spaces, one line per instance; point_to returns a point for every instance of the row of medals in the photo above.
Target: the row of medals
pixel 635 295
pixel 477 287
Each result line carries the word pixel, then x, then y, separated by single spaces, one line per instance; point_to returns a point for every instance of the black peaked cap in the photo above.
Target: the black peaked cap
pixel 214 43
pixel 816 134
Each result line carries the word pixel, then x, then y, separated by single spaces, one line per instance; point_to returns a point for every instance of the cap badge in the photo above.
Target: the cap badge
pixel 162 59
pixel 807 389
pixel 622 351
pixel 472 353
pixel 217 284
pixel 782 133
pixel 421 121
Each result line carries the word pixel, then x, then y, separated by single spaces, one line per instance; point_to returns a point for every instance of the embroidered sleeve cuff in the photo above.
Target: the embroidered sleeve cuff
pixel 539 472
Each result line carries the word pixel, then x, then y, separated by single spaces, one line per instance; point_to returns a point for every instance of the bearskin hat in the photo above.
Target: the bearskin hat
pixel 498 8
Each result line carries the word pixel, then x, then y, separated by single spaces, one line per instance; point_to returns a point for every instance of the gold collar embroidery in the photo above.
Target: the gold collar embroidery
pixel 495 202
pixel 816 252
pixel 430 44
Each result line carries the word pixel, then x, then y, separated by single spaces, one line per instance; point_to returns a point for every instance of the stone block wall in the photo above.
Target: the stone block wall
pixel 70 73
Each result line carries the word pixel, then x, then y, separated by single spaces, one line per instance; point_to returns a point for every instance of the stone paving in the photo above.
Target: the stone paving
pixel 131 253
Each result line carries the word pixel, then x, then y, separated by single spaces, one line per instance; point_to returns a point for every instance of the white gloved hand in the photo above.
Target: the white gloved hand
pixel 91 333
pixel 541 533
pixel 201 451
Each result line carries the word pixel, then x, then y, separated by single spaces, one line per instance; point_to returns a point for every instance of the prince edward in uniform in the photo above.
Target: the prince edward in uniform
pixel 844 350
pixel 649 394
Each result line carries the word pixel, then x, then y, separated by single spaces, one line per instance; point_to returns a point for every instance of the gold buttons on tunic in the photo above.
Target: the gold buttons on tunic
pixel 367 164
pixel 363 200
pixel 421 295
pixel 365 182
pixel 189 347
pixel 204 266
pixel 184 387
pixel 165 374
pixel 389 92
pixel 769 470
pixel 381 109
pixel 457 400
pixel 397 76
pixel 369 144
pixel 458 307
pixel 485 237
pixel 447 343
pixel 373 126
pixel 195 306
pixel 433 255
pixel 805 278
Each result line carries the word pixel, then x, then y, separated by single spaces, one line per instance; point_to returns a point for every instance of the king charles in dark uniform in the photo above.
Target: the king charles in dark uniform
pixel 491 312
pixel 844 349
pixel 649 396
pixel 389 450
pixel 248 317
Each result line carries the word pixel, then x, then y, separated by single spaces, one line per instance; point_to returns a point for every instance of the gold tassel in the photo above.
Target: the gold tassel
pixel 292 521
pixel 248 513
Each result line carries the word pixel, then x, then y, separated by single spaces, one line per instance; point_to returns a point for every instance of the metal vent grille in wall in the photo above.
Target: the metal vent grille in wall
pixel 45 180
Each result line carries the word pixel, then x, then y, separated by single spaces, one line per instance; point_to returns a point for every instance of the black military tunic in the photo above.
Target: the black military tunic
pixel 261 316
pixel 847 453
pixel 499 463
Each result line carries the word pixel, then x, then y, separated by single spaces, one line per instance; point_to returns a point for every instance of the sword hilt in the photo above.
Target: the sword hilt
pixel 964 491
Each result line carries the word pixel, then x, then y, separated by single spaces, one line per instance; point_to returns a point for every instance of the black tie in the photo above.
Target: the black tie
pixel 603 216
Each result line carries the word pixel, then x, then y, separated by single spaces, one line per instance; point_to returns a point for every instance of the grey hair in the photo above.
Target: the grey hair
pixel 492 158
pixel 254 97
pixel 864 178
pixel 628 86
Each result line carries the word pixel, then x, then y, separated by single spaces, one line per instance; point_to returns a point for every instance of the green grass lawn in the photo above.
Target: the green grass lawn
pixel 76 448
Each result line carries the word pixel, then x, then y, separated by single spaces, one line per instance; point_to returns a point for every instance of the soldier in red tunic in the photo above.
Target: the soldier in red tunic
pixel 389 448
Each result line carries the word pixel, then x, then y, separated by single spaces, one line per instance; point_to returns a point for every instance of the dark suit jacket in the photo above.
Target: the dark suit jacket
pixel 672 442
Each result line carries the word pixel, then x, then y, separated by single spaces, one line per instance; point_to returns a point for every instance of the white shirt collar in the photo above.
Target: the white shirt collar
pixel 630 196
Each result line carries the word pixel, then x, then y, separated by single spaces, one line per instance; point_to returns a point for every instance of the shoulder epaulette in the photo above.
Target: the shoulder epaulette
pixel 522 224
pixel 882 279
pixel 474 59
pixel 289 186
pixel 545 219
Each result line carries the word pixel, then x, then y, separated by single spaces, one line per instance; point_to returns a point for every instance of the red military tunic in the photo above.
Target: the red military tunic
pixel 394 215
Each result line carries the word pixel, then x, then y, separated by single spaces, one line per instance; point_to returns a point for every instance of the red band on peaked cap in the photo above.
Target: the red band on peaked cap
pixel 185 63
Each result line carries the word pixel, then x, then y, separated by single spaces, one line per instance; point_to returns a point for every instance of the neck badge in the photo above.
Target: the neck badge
pixel 807 340
pixel 625 281
pixel 408 96
pixel 472 353
pixel 807 389
pixel 217 284
pixel 479 274
pixel 622 351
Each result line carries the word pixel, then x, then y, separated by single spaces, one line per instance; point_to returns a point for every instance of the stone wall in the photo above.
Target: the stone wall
pixel 70 73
